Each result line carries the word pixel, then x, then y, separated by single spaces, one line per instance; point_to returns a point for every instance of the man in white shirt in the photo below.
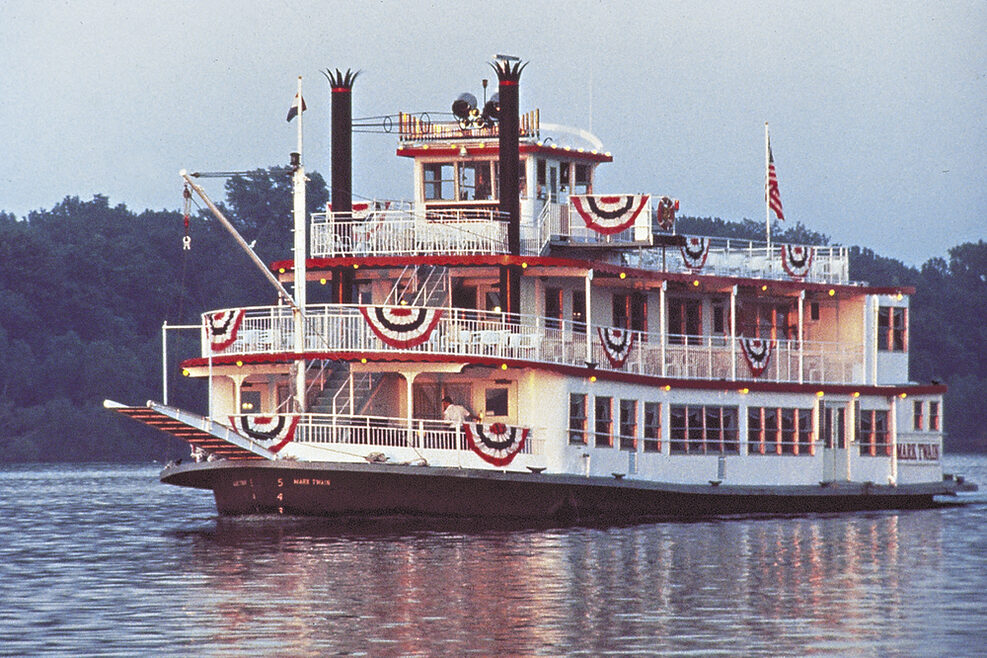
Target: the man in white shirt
pixel 456 414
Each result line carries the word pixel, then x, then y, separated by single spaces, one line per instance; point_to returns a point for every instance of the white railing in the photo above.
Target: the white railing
pixel 471 333
pixel 380 431
pixel 473 232
pixel 400 232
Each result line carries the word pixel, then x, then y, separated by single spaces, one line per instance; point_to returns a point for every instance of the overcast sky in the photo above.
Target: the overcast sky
pixel 878 110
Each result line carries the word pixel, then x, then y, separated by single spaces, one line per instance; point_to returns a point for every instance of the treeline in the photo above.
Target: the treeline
pixel 85 287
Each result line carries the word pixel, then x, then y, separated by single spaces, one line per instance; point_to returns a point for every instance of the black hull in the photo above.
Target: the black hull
pixel 332 489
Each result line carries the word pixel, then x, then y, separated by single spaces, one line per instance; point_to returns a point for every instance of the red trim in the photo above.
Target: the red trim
pixel 492 148
pixel 572 371
pixel 337 90
pixel 319 265
pixel 508 83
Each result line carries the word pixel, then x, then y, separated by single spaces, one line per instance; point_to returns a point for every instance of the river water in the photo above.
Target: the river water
pixel 104 560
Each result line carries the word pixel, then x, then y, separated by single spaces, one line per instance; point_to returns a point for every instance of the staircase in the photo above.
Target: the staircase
pixel 336 398
pixel 421 285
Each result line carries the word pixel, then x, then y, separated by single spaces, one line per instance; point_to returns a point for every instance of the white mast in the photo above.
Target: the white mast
pixel 298 188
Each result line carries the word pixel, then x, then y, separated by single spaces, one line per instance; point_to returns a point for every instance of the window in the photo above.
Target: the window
pixel 631 312
pixel 719 319
pixel 440 181
pixel 892 329
pixel 474 181
pixel 628 424
pixel 250 402
pixel 577 418
pixel 779 431
pixel 684 319
pixel 604 421
pixel 564 176
pixel 767 321
pixel 553 308
pixel 917 419
pixel 814 311
pixel 583 183
pixel 872 433
pixel 933 416
pixel 496 402
pixel 652 427
pixel 579 311
pixel 703 430
pixel 540 178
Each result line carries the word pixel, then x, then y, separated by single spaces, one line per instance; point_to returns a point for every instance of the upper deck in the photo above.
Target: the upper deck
pixel 558 228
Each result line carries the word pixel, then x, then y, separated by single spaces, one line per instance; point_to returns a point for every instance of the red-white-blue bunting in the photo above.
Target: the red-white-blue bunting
pixel 797 260
pixel 757 353
pixel 222 328
pixel 616 344
pixel 402 327
pixel 272 432
pixel 695 252
pixel 496 443
pixel 609 214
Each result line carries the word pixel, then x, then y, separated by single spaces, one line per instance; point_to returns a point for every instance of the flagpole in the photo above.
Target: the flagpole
pixel 298 189
pixel 767 202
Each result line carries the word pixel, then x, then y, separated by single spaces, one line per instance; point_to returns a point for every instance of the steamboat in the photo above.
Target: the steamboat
pixel 514 343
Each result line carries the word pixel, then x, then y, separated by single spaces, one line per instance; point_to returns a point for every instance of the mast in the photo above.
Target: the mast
pixel 298 193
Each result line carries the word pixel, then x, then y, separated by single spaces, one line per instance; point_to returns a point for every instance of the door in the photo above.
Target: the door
pixel 834 437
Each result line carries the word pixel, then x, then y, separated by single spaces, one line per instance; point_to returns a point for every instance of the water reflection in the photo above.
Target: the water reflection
pixel 767 585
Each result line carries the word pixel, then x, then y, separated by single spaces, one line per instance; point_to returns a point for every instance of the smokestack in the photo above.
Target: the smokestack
pixel 341 182
pixel 509 75
pixel 342 138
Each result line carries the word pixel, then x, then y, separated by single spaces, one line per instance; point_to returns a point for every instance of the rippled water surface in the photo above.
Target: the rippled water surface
pixel 105 560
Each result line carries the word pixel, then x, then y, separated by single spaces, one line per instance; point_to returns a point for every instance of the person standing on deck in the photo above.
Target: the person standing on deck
pixel 456 414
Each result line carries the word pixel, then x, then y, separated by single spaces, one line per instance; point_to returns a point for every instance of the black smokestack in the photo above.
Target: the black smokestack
pixel 341 182
pixel 509 75
pixel 342 138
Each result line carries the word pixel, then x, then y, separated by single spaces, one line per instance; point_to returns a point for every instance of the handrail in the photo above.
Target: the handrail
pixel 474 333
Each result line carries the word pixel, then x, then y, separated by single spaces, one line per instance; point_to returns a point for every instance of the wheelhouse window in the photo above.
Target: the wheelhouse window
pixel 440 181
pixel 577 418
pixel 872 433
pixel 583 184
pixel 779 431
pixel 603 423
pixel 933 416
pixel 892 329
pixel 652 427
pixel 628 424
pixel 917 418
pixel 701 429
pixel 475 181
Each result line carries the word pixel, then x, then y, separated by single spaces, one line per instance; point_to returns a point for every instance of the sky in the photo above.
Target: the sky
pixel 877 110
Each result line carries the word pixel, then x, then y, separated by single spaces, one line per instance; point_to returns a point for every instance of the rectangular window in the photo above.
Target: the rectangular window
pixel 628 424
pixel 583 183
pixel 814 311
pixel 474 181
pixel 577 418
pixel 917 420
pixel 779 431
pixel 702 429
pixel 496 399
pixel 440 181
pixel 579 311
pixel 553 308
pixel 652 426
pixel 933 416
pixel 892 329
pixel 631 312
pixel 872 433
pixel 603 423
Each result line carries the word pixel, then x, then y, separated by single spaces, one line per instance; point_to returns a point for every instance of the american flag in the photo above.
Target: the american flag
pixel 773 196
